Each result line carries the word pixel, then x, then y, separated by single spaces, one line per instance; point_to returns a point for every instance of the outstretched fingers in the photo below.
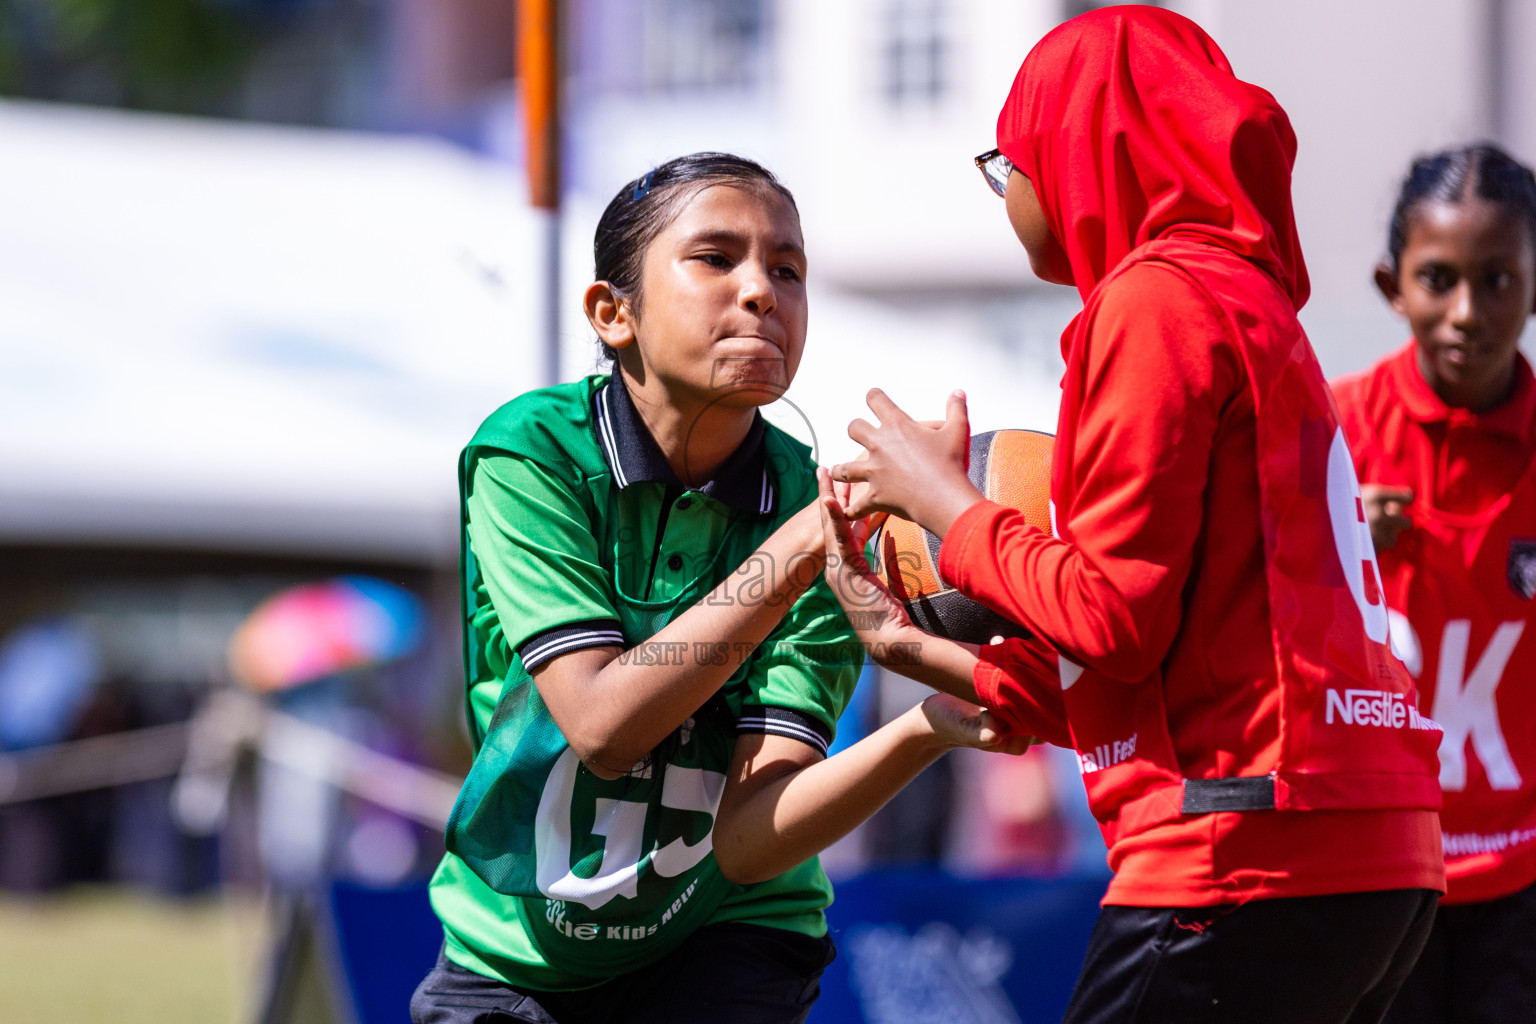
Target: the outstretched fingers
pixel 850 472
pixel 957 426
pixel 847 569
pixel 956 412
pixel 862 431
pixel 837 531
pixel 881 405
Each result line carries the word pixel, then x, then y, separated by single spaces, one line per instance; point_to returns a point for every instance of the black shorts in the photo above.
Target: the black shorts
pixel 1307 960
pixel 1478 967
pixel 742 973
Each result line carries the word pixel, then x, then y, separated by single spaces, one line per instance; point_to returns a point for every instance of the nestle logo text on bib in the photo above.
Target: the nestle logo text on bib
pixel 1374 708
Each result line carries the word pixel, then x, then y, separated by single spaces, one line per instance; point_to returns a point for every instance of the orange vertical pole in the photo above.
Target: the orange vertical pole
pixel 538 26
pixel 539 67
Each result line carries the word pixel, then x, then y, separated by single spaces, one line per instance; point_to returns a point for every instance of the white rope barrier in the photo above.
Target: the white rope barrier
pixel 203 754
pixel 409 790
pixel 96 763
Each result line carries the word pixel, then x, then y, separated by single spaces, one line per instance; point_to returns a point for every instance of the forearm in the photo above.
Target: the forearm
pixel 794 817
pixel 635 700
pixel 1020 681
pixel 945 665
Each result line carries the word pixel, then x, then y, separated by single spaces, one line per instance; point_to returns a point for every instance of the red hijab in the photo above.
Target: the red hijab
pixel 1132 127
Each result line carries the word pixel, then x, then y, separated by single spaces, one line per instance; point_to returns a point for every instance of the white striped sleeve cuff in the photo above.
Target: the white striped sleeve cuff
pixel 784 722
pixel 536 650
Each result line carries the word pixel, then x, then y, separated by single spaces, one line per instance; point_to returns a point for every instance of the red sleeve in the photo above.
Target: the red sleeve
pixel 1151 373
pixel 1020 682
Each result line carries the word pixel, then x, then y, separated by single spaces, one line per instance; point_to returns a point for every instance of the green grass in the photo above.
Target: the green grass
pixel 117 957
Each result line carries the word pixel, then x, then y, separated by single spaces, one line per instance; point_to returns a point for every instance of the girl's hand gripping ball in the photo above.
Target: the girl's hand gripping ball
pixel 1010 467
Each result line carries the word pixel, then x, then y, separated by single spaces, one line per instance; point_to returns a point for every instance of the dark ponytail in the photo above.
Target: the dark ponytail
pixel 644 207
pixel 1483 172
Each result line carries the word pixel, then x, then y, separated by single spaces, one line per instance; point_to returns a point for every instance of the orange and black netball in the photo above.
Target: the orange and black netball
pixel 1010 467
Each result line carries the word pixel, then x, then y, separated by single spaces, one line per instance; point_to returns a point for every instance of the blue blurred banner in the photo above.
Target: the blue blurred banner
pixel 385 942
pixel 917 946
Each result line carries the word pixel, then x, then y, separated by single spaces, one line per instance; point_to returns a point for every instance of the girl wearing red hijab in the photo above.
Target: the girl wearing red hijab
pixel 1210 635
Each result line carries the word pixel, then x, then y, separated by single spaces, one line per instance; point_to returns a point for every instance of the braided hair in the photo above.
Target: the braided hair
pixel 1483 171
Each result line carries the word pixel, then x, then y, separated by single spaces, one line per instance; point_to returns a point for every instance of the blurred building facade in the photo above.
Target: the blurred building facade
pixel 872 108
pixel 869 108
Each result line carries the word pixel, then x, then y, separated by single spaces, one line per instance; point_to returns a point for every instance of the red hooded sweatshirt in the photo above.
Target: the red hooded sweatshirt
pixel 1213 640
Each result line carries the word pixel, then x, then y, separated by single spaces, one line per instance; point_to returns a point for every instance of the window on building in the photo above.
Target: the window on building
pixel 703 44
pixel 917 52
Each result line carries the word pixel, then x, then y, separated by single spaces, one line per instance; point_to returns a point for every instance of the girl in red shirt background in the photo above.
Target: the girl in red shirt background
pixel 1209 634
pixel 1444 436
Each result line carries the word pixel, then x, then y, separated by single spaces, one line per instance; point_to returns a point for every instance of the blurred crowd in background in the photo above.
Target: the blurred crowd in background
pixel 264 264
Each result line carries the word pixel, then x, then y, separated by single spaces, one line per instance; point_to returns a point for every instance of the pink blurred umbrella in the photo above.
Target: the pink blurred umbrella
pixel 307 632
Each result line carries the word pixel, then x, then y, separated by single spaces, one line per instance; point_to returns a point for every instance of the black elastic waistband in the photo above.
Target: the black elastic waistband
pixel 1239 793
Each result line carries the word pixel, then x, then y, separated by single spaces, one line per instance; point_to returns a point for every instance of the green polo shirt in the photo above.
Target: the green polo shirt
pixel 578 534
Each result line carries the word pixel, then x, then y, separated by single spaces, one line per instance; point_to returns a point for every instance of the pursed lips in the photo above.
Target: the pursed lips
pixel 754 342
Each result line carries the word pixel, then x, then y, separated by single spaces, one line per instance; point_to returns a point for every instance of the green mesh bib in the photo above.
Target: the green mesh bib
pixel 609 874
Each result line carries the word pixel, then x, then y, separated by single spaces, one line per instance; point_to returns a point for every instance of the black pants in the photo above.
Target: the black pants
pixel 1478 967
pixel 1308 960
pixel 740 973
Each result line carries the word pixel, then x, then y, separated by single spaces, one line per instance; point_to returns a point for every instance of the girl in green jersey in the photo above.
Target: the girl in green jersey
pixel 654 662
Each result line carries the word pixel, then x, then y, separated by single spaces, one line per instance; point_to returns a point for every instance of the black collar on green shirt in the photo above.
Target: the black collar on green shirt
pixel 742 482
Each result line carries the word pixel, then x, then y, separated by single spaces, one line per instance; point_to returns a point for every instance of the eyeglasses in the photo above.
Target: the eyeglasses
pixel 995 168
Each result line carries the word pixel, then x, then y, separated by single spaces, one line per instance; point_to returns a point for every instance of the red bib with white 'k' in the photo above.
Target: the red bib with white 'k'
pixel 1461 588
